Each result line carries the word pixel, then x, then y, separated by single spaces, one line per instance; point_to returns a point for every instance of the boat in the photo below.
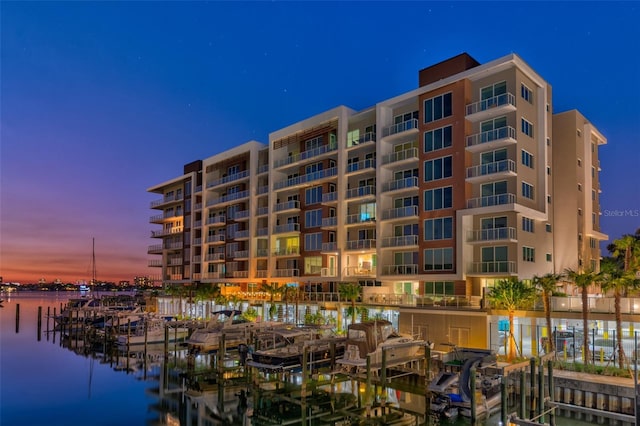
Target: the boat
pixel 228 323
pixel 151 329
pixel 284 349
pixel 371 339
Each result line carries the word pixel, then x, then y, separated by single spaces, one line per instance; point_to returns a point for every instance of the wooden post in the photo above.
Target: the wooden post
pixel 367 395
pixel 472 378
pixel 552 417
pixel 146 330
pixel 128 333
pixel 503 400
pixel 166 340
pixel 17 318
pixel 541 392
pixel 48 316
pixel 39 323
pixel 532 390
pixel 523 396
pixel 383 369
pixel 305 370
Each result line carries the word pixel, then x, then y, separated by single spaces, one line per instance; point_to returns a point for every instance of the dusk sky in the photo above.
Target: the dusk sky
pixel 99 101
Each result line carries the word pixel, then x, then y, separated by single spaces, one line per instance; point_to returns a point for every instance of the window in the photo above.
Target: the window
pixel 403 118
pixel 548 227
pixel 493 129
pixel 312 264
pixel 438 168
pixel 527 159
pixel 593 172
pixel 592 243
pixel 593 218
pixel 439 288
pixel 489 92
pixel 437 139
pixel 528 254
pixel 495 259
pixel 548 199
pixel 438 259
pixel 313 218
pixel 527 127
pixel 593 194
pixel 548 257
pixel 527 190
pixel 437 108
pixel 527 224
pixel 438 229
pixel 548 171
pixel 367 212
pixel 313 195
pixel 526 93
pixel 580 187
pixel 313 143
pixel 313 242
pixel 439 198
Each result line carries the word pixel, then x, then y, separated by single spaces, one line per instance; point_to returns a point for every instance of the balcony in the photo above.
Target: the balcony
pixel 227 179
pixel 492 268
pixel 173 246
pixel 491 171
pixel 409 212
pixel 492 200
pixel 215 239
pixel 261 273
pixel 360 245
pixel 369 137
pixel 174 261
pixel 287 251
pixel 305 155
pixel 241 215
pixel 212 275
pixel 405 126
pixel 165 232
pixel 287 206
pixel 281 273
pixel 241 235
pixel 228 198
pixel 262 232
pixel 305 179
pixel 214 257
pixel 197 224
pixel 492 139
pixel 328 272
pixel 216 220
pixel 166 200
pixel 264 189
pixel 330 198
pixel 262 252
pixel 492 107
pixel 261 211
pixel 239 274
pixel 362 166
pixel 360 219
pixel 401 185
pixel 493 234
pixel 155 263
pixel 197 241
pixel 263 168
pixel 361 192
pixel 400 158
pixel 359 271
pixel 159 218
pixel 155 249
pixel 410 269
pixel 402 241
pixel 329 222
pixel 288 227
pixel 330 247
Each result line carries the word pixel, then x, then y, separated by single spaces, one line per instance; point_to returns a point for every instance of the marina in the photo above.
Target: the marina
pixel 86 382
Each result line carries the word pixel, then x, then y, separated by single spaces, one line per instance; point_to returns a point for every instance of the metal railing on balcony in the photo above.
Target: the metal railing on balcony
pixel 287 205
pixel 166 199
pixel 261 211
pixel 359 271
pixel 287 251
pixel 407 154
pixel 218 238
pixel 197 241
pixel 197 259
pixel 493 234
pixel 212 275
pixel 263 168
pixel 361 165
pixel 360 218
pixel 262 252
pixel 241 234
pixel 496 101
pixel 400 212
pixel 175 261
pixel 261 273
pixel 262 189
pixel 154 248
pixel 491 168
pixel 360 244
pixel 309 177
pixel 401 241
pixel 287 273
pixel 154 263
pixel 177 245
pixel 305 155
pixel 231 197
pixel 405 183
pixel 501 133
pixel 227 179
pixel 409 269
pixel 240 274
pixel 365 138
pixel 164 232
pixel 241 253
pixel 243 214
pixel 262 232
pixel 329 221
pixel 498 267
pixel 287 227
pixel 361 191
pixel 329 197
pixel 216 220
pixel 332 246
pixel 491 200
pixel 212 257
pixel 400 127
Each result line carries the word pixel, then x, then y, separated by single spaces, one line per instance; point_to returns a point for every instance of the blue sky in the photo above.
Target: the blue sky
pixel 101 100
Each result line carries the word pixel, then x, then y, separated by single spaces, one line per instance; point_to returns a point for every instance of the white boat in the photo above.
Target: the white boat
pixel 228 323
pixel 373 338
pixel 152 330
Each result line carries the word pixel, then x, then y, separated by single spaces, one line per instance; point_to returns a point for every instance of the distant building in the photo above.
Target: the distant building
pixel 442 190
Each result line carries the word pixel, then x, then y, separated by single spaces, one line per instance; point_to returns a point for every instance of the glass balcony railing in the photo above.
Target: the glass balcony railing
pixel 400 212
pixel 492 200
pixel 496 267
pixel 360 218
pixel 491 168
pixel 227 179
pixel 360 244
pixel 287 251
pixel 365 138
pixel 288 227
pixel 400 127
pixel 332 246
pixel 361 165
pixel 406 183
pixel 503 133
pixel 361 191
pixel 315 152
pixel 493 234
pixel 410 269
pixel 407 154
pixel 329 221
pixel 287 205
pixel 402 241
pixel 496 101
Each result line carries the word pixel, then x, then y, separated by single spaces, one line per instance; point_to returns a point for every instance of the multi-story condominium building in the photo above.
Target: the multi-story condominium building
pixel 438 191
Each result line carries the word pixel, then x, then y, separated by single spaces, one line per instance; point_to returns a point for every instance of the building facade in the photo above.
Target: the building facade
pixel 440 191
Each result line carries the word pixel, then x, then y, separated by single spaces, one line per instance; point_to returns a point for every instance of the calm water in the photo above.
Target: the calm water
pixel 46 382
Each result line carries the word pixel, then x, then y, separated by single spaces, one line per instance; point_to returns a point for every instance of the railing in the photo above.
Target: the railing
pixel 262 232
pixel 175 261
pixel 287 205
pixel 216 220
pixel 197 206
pixel 332 246
pixel 287 273
pixel 492 200
pixel 492 234
pixel 227 179
pixel 197 224
pixel 309 177
pixel 330 221
pixel 243 214
pixel 215 238
pixel 212 275
pixel 491 135
pixel 289 227
pixel 154 248
pixel 491 168
pixel 165 200
pixel 496 101
pixel 162 233
pixel 240 274
pixel 197 189
pixel 400 127
pixel 262 189
pixel 287 251
pixel 361 191
pixel 360 244
pixel 394 185
pixel 358 271
pixel 214 257
pixel 173 246
pixel 261 211
pixel 263 168
pixel 197 241
pixel 360 218
pixel 366 137
pixel 400 212
pixel 407 154
pixel 261 273
pixel 227 198
pixel 155 263
pixel 197 259
pixel 329 197
pixel 262 252
pixel 305 155
pixel 241 234
pixel 499 267
pixel 408 269
pixel 402 241
pixel 369 163
pixel 241 253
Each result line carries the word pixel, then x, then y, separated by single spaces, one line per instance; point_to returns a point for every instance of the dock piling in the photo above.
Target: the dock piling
pixel 39 323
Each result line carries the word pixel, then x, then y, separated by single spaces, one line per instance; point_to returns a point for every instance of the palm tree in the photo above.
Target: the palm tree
pixel 206 292
pixel 272 289
pixel 547 284
pixel 584 280
pixel 511 294
pixel 627 249
pixel 350 292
